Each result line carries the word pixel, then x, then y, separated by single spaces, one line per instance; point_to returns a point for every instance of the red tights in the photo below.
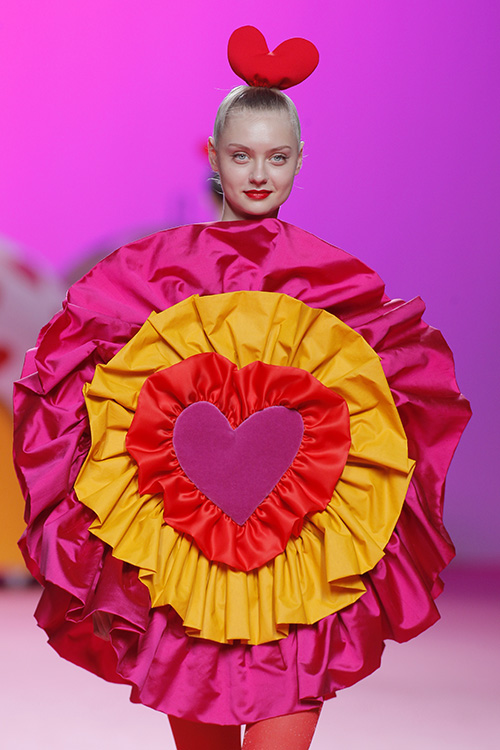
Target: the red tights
pixel 291 732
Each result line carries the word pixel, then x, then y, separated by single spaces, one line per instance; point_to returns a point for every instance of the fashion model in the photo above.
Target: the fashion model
pixel 233 448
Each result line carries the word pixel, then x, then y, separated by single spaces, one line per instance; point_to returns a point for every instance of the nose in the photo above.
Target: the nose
pixel 258 175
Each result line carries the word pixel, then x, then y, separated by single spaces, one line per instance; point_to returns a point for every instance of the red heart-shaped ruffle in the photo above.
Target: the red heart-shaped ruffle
pixel 306 487
pixel 290 63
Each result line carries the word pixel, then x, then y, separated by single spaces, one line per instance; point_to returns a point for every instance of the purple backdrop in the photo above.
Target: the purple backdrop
pixel 106 104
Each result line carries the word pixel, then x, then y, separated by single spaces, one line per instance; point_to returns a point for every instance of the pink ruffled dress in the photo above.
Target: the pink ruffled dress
pixel 218 612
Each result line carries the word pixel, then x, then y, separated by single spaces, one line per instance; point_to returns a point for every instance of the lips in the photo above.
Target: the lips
pixel 257 195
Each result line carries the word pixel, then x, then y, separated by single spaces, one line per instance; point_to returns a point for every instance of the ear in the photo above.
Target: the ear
pixel 212 155
pixel 300 157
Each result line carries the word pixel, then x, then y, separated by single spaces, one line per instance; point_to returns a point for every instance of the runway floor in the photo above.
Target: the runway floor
pixel 438 692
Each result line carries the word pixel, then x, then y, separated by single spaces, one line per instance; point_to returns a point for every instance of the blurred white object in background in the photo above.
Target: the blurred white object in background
pixel 28 299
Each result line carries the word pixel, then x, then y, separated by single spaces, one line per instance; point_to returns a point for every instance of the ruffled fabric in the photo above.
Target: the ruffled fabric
pixel 350 518
pixel 322 438
pixel 148 648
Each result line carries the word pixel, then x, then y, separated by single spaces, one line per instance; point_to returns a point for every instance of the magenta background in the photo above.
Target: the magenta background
pixel 105 105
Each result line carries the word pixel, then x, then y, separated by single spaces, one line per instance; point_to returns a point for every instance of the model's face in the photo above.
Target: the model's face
pixel 257 158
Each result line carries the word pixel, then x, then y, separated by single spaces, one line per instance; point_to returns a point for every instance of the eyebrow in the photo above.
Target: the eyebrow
pixel 246 148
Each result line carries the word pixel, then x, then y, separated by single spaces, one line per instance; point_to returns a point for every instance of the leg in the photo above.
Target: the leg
pixel 291 732
pixel 191 735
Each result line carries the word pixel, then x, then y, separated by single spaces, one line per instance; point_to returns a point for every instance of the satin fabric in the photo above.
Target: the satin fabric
pixel 325 441
pixel 318 570
pixel 148 648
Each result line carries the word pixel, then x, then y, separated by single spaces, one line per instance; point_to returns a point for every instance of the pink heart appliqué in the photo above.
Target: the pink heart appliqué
pixel 236 469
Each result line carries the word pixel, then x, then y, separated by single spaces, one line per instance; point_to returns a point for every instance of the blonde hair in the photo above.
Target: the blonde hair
pixel 255 98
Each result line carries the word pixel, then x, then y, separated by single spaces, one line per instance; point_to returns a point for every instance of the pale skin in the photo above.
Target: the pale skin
pixel 257 158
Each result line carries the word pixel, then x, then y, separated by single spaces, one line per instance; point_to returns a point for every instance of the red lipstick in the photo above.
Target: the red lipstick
pixel 257 195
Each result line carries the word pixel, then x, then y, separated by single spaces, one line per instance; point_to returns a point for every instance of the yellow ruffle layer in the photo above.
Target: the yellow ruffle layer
pixel 319 572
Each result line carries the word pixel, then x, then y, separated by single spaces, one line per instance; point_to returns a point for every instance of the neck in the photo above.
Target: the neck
pixel 229 215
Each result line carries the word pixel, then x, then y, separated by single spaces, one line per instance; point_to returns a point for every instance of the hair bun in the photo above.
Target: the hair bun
pixel 289 64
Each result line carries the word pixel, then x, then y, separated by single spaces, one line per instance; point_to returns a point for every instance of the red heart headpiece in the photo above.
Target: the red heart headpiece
pixel 290 63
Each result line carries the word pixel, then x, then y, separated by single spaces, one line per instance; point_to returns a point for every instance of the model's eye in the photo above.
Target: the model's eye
pixel 240 156
pixel 279 158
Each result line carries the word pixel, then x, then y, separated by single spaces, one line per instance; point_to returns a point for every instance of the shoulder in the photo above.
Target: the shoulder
pixel 130 275
pixel 164 268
